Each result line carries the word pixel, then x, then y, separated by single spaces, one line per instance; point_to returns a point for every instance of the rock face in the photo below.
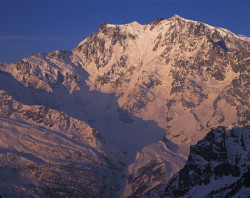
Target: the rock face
pixel 171 71
pixel 218 166
pixel 150 90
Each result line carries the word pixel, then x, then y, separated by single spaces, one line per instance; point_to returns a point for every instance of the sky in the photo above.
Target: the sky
pixel 33 26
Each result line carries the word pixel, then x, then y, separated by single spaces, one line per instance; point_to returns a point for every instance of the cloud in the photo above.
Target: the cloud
pixel 35 38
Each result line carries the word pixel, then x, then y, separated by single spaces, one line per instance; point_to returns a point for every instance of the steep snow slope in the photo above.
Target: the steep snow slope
pixel 46 153
pixel 154 88
pixel 218 166
pixel 154 166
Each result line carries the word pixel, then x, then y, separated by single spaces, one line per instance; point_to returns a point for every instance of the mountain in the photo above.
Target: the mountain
pixel 149 90
pixel 218 166
pixel 46 153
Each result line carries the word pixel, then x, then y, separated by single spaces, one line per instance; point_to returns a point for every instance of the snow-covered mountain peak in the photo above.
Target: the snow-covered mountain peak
pixel 160 30
pixel 150 90
pixel 176 16
pixel 165 54
pixel 134 24
pixel 126 24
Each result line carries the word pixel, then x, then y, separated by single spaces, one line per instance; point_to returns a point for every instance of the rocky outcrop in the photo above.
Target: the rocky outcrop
pixel 218 166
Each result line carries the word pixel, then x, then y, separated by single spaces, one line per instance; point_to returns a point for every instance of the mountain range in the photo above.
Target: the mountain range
pixel 116 116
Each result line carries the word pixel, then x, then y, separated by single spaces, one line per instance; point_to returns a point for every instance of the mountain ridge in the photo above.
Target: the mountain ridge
pixel 150 90
pixel 217 166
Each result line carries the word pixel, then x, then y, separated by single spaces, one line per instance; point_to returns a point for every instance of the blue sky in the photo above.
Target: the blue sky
pixel 32 26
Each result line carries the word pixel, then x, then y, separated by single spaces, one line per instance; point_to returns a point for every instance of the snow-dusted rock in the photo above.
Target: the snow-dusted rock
pixel 218 166
pixel 172 79
pixel 46 153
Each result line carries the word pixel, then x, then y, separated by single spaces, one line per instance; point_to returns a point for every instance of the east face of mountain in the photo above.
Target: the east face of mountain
pixel 150 90
pixel 184 75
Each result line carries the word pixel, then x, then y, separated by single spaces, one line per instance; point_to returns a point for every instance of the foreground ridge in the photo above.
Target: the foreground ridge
pixel 218 166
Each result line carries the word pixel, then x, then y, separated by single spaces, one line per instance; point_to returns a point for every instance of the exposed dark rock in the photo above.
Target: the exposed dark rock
pixel 211 158
pixel 151 172
pixel 156 22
